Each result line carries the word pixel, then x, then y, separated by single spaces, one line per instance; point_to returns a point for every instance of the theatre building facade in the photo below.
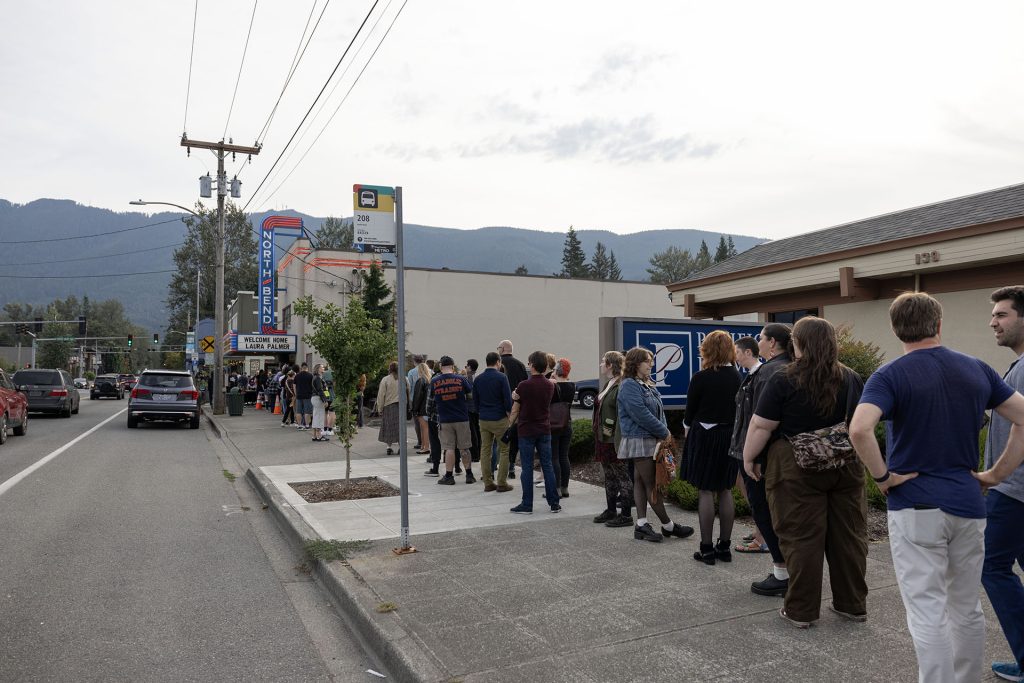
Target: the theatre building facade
pixel 957 250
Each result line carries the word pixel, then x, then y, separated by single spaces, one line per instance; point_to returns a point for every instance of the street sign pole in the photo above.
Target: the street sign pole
pixel 403 451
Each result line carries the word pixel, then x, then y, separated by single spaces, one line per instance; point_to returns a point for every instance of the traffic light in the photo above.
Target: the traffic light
pixel 21 328
pixel 156 339
pixel 81 326
pixel 130 340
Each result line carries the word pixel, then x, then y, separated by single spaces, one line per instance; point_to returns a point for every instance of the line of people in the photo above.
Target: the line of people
pixel 306 399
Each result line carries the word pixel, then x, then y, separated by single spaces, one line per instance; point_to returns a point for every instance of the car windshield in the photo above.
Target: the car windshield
pixel 37 377
pixel 109 379
pixel 167 381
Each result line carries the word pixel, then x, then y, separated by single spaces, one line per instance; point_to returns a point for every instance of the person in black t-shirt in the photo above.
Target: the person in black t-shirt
pixel 303 396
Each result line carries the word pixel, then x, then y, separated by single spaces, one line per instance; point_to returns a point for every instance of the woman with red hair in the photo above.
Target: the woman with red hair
pixel 561 435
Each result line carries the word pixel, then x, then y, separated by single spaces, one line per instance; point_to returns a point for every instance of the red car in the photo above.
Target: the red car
pixel 13 408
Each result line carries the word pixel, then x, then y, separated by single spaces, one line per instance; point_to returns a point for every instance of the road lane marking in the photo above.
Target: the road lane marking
pixel 10 483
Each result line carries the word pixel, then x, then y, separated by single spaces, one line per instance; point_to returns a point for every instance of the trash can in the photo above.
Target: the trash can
pixel 235 401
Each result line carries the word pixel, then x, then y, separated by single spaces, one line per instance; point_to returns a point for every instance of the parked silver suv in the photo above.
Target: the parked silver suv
pixel 164 395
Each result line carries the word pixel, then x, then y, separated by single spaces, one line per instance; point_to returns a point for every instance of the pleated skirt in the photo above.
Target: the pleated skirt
pixel 389 424
pixel 706 460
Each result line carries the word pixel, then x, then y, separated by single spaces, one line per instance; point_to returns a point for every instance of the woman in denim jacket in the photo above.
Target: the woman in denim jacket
pixel 642 423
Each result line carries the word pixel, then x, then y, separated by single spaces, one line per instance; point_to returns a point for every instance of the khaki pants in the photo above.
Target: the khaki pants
pixel 819 515
pixel 491 431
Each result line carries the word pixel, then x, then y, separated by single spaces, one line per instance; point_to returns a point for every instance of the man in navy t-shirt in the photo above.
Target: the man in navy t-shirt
pixel 934 400
pixel 452 393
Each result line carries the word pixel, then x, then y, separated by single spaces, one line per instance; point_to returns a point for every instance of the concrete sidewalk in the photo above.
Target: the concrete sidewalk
pixel 492 596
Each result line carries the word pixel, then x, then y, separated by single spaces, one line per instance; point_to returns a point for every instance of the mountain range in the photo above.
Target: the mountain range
pixel 54 248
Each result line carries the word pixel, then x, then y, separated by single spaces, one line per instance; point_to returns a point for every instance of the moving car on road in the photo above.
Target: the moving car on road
pixel 13 408
pixel 81 383
pixel 164 395
pixel 49 391
pixel 106 385
pixel 127 382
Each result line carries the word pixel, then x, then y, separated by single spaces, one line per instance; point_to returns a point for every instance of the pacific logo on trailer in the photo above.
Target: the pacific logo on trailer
pixel 671 370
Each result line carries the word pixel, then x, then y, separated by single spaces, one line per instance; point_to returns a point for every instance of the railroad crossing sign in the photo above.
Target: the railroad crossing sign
pixel 206 344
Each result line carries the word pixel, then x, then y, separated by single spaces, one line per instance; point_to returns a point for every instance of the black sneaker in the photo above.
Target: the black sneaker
pixel 470 479
pixel 678 530
pixel 646 533
pixel 556 508
pixel 447 480
pixel 606 516
pixel 620 521
pixel 772 587
pixel 431 473
pixel 522 510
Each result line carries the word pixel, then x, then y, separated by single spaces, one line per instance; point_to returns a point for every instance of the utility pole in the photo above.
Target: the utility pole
pixel 220 149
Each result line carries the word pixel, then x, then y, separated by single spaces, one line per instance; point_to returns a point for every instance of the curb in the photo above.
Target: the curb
pixel 397 647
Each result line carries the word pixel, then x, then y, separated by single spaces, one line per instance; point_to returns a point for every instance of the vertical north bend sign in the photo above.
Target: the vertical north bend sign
pixel 268 270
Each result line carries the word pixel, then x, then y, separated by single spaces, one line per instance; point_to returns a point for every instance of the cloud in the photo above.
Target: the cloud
pixel 632 141
pixel 620 67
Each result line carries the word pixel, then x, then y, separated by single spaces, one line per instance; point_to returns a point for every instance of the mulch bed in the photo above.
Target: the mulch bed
pixel 344 489
pixel 590 473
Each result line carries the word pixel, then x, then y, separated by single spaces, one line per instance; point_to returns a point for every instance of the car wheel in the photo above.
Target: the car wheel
pixel 22 429
pixel 77 407
pixel 66 412
pixel 587 400
pixel 3 429
pixel 133 422
pixel 194 422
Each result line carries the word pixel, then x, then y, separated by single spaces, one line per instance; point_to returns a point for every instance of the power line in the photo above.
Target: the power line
pixel 71 277
pixel 320 109
pixel 238 80
pixel 343 99
pixel 296 60
pixel 188 88
pixel 92 258
pixel 319 95
pixel 98 234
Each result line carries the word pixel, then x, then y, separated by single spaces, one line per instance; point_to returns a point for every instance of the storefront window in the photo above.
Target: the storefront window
pixel 791 316
pixel 286 317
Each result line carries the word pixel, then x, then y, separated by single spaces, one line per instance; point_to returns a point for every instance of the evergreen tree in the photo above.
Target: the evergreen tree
pixel 722 252
pixel 614 272
pixel 703 258
pixel 521 270
pixel 334 233
pixel 600 265
pixel 199 253
pixel 377 299
pixel 731 247
pixel 672 265
pixel 574 260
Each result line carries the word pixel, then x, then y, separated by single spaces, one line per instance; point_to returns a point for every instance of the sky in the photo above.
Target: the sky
pixel 754 118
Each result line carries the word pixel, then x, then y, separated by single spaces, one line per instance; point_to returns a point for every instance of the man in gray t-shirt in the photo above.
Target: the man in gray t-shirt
pixel 1004 542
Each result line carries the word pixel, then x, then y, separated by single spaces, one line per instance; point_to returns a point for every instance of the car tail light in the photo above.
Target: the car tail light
pixel 58 392
pixel 140 393
pixel 189 394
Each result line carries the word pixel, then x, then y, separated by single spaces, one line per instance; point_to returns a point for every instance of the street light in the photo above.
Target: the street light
pixel 218 314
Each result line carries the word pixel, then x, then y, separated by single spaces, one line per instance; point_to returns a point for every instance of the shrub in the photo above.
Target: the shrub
pixel 581 447
pixel 683 494
pixel 860 356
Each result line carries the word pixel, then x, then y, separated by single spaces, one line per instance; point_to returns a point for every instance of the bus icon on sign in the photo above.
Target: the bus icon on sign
pixel 368 198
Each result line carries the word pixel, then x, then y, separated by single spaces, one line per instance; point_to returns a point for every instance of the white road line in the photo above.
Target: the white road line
pixel 10 483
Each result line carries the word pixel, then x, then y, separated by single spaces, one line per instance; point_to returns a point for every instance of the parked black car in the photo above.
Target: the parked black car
pixel 586 392
pixel 106 386
pixel 49 391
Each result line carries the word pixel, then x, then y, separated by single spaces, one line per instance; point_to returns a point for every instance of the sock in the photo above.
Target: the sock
pixel 641 521
pixel 780 573
pixel 669 526
pixel 448 473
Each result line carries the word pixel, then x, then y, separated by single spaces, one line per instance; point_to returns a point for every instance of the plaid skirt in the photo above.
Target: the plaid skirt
pixel 389 424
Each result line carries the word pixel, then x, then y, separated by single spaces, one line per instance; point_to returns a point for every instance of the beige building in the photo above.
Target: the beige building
pixel 465 314
pixel 958 250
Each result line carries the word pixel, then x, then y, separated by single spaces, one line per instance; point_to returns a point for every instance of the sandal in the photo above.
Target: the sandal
pixel 748 537
pixel 751 547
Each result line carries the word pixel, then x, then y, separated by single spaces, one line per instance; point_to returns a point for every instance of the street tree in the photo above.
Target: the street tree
pixel 352 342
pixel 672 265
pixel 199 254
pixel 574 260
pixel 334 233
pixel 55 354
pixel 377 300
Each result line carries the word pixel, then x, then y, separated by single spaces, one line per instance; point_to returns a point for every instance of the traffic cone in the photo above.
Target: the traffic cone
pixel 259 401
pixel 277 408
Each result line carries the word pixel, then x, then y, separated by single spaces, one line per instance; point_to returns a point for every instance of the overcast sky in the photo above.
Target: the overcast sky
pixel 756 118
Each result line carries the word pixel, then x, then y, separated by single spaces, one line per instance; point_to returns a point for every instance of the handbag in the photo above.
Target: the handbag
pixel 664 471
pixel 828 448
pixel 558 415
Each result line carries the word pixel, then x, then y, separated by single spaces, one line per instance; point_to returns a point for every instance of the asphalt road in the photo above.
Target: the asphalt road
pixel 130 556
